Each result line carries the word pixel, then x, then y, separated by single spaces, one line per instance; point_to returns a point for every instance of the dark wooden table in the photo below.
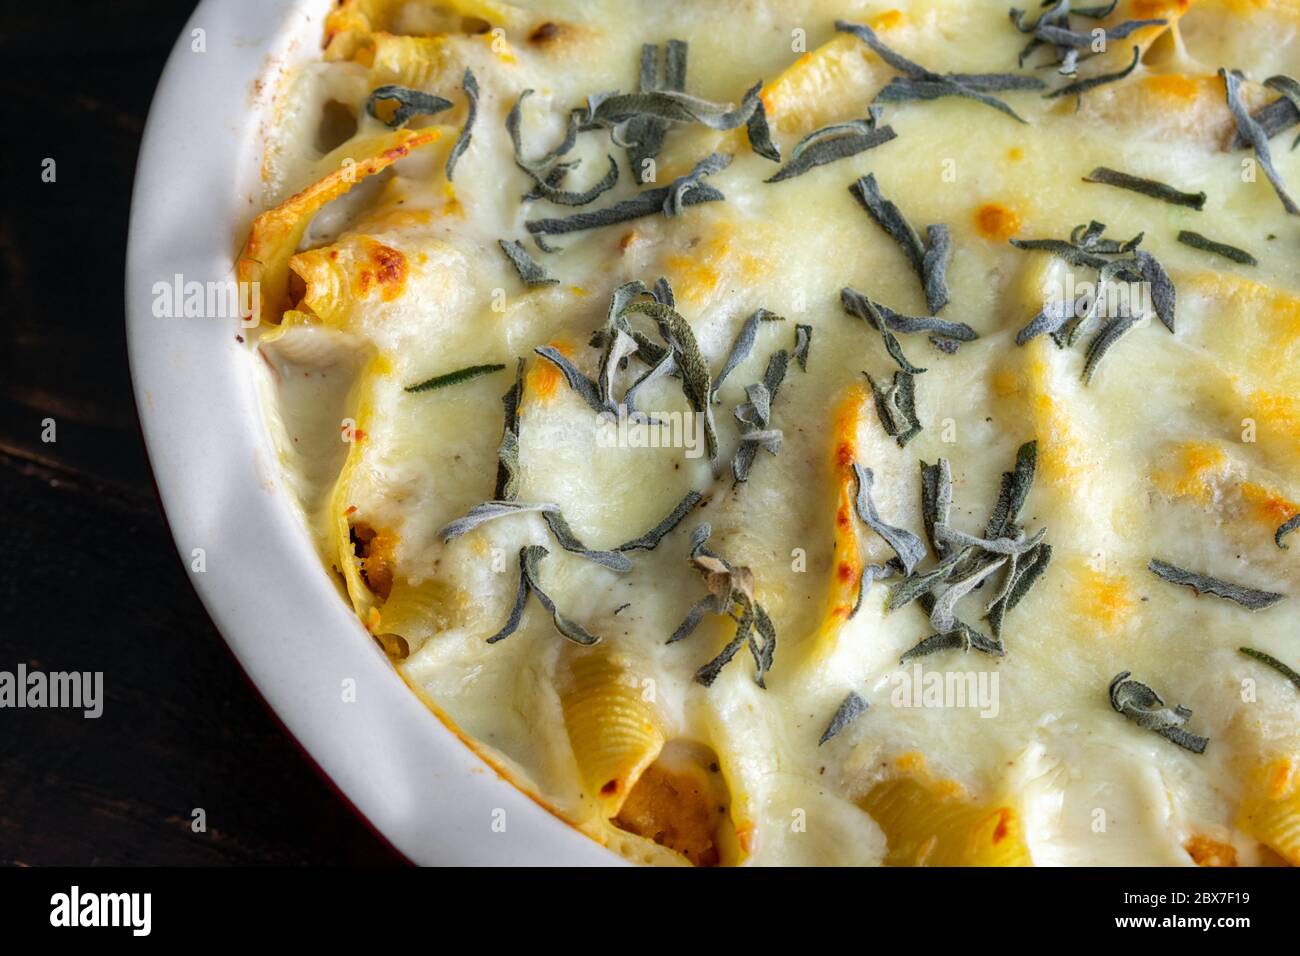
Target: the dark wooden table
pixel 89 577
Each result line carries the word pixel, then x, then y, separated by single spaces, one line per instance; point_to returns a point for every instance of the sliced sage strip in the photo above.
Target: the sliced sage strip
pixel 1101 343
pixel 1016 485
pixel 1091 238
pixel 859 306
pixel 529 559
pixel 614 320
pixel 666 365
pixel 753 620
pixel 663 290
pixel 1198 241
pixel 755 414
pixel 1249 598
pixel 707 674
pixel 936 501
pixel 929 258
pixel 963 637
pixel 1091 83
pixel 1009 576
pixel 648 203
pixel 888 217
pixel 1068 251
pixel 1087 308
pixel 684 185
pixel 765 654
pixel 618 349
pixel 530 273
pixel 1048 321
pixel 997 82
pixel 549 170
pixel 1255 136
pixel 551 161
pixel 521 599
pixel 1028 572
pixel 650 540
pixel 757 408
pixel 981 642
pixel 455 378
pixel 570 542
pixel 904 89
pixel 966 561
pixel 971 560
pixel 903 398
pixel 1142 705
pixel 896 407
pixel 586 389
pixel 508 466
pixel 1011 547
pixel 697 386
pixel 943 615
pixel 1290 90
pixel 621 347
pixel 410 103
pixel 907 546
pixel 619 111
pixel 1147 187
pixel 645 134
pixel 1274 663
pixel 802 344
pixel 730 588
pixel 868 36
pixel 918 83
pixel 934 268
pixel 909 324
pixel 551 184
pixel 1063 37
pixel 1163 294
pixel 708 605
pixel 547 189
pixel 1014 490
pixel 1094 13
pixel 870 574
pixel 760 134
pixel 951 641
pixel 1058 15
pixel 1001 524
pixel 851 708
pixel 922 582
pixel 1277 116
pixel 470 86
pixel 481 514
pixel 1288 526
pixel 831 143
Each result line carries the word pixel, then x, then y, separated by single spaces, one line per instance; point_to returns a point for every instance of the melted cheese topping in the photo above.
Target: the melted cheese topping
pixel 1183 446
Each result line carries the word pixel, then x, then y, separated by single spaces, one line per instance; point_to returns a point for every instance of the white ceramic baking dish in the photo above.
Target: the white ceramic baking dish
pixel 197 187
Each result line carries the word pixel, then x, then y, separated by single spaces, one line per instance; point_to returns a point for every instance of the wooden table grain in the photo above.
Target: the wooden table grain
pixel 89 577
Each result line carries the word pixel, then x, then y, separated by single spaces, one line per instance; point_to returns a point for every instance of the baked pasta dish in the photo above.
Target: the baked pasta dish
pixel 812 431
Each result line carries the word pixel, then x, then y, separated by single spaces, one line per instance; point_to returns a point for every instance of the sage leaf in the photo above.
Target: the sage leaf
pixel 470 85
pixel 851 708
pixel 1142 705
pixel 1249 598
pixel 907 546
